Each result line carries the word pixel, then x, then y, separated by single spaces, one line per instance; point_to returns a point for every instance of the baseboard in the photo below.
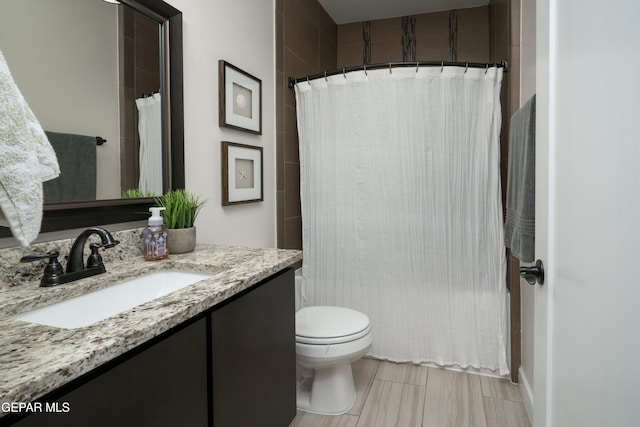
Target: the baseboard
pixel 527 393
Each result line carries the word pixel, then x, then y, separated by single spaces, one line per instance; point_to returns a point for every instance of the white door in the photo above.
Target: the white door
pixel 587 324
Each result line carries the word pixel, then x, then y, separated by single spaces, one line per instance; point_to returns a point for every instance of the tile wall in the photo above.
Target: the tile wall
pixel 432 38
pixel 305 44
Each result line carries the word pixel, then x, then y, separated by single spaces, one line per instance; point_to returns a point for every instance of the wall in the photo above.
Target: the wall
pixel 242 33
pixel 432 31
pixel 305 44
pixel 69 83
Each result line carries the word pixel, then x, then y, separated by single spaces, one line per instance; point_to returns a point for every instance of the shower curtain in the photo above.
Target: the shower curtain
pixel 402 212
pixel 150 132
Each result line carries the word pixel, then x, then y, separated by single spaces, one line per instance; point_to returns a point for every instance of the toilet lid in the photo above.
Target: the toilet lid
pixel 334 324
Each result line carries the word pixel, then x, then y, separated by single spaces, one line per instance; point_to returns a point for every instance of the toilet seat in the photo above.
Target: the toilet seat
pixel 322 325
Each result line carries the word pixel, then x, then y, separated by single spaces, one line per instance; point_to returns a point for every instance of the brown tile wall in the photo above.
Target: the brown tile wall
pixel 305 44
pixel 432 38
pixel 473 34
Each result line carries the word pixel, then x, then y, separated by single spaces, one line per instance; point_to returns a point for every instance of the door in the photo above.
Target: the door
pixel 586 367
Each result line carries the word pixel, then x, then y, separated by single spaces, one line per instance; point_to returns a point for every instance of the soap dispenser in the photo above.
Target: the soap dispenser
pixel 154 236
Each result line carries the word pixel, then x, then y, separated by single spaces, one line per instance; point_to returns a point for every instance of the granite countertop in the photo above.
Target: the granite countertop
pixel 36 359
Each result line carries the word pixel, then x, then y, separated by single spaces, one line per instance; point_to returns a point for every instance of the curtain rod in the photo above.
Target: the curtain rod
pixel 392 65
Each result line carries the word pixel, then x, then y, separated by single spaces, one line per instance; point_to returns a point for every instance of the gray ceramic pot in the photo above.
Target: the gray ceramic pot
pixel 181 240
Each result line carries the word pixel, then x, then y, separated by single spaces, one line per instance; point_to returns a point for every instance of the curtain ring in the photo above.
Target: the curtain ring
pixel 466 67
pixel 486 69
pixel 442 66
pixel 365 70
pixel 308 81
pixel 390 71
pixel 417 66
pixel 325 77
pixel 344 74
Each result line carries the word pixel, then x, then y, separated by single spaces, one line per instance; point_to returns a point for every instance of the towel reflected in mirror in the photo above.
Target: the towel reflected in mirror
pixel 77 157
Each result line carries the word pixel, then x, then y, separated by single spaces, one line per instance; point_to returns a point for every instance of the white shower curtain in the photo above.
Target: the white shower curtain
pixel 402 212
pixel 150 132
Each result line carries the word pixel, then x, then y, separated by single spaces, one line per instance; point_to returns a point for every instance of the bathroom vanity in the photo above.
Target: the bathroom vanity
pixel 218 352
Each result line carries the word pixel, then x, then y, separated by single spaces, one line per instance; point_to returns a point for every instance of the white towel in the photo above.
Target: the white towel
pixel 26 160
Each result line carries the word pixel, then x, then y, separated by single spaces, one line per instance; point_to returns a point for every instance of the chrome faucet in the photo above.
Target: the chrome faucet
pixel 53 273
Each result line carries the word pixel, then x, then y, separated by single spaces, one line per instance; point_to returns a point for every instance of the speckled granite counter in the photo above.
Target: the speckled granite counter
pixel 36 359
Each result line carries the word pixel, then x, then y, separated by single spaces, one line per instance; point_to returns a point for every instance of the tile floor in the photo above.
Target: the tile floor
pixel 404 395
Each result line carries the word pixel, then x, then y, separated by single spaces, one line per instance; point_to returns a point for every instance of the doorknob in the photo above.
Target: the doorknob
pixel 534 273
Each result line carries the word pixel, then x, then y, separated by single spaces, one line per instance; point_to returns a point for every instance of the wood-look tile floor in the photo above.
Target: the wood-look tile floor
pixel 405 395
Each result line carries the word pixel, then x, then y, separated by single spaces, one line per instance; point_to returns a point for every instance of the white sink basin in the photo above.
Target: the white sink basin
pixel 93 307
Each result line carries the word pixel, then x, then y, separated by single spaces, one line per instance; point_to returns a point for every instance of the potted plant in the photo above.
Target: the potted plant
pixel 181 209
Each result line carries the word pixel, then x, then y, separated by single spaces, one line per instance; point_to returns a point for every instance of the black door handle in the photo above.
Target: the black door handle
pixel 534 273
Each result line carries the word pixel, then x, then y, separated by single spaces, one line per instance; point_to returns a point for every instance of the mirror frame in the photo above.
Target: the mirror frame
pixel 64 216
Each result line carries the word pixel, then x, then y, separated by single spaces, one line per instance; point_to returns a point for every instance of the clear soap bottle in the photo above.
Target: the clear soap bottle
pixel 154 237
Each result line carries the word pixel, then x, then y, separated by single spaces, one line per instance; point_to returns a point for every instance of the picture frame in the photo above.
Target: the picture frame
pixel 240 99
pixel 242 176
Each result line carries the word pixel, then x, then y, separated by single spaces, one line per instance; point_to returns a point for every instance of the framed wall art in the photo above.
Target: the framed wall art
pixel 240 99
pixel 241 174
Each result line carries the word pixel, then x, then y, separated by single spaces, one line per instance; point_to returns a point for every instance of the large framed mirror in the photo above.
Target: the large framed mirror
pixel 92 78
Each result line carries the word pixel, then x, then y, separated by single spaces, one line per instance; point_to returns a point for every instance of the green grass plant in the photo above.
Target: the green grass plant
pixel 181 208
pixel 134 193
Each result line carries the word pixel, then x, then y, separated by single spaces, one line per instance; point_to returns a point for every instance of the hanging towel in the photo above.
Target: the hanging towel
pixel 520 225
pixel 77 157
pixel 26 160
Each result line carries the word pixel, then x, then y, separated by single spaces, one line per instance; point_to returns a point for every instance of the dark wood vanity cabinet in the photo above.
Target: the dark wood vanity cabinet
pixel 232 367
pixel 163 385
pixel 253 357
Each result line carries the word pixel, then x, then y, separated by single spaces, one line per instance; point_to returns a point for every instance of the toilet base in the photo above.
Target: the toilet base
pixel 330 391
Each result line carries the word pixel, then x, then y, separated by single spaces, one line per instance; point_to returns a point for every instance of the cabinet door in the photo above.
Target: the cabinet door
pixel 253 356
pixel 164 385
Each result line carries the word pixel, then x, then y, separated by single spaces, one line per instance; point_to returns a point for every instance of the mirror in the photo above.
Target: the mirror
pixel 121 149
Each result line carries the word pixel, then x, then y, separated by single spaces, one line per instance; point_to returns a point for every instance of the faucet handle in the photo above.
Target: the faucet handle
pixel 52 270
pixel 95 259
pixel 53 257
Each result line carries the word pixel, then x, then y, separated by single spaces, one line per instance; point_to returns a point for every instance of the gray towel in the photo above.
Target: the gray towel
pixel 520 225
pixel 77 157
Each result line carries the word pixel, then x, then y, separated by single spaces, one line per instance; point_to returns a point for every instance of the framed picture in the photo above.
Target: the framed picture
pixel 240 99
pixel 241 173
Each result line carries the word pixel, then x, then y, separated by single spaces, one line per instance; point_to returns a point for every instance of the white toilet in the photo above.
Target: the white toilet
pixel 328 340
